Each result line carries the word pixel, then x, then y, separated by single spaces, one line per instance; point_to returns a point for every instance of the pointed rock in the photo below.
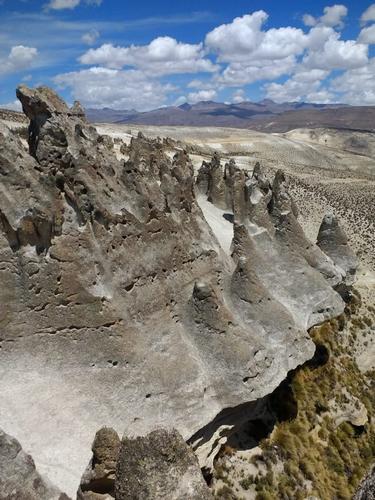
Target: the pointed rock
pixel 98 480
pixel 334 242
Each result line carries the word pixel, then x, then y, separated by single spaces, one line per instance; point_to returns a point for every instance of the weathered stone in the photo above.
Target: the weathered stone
pixel 159 466
pixel 99 258
pixel 98 480
pixel 19 479
pixel 333 241
pixel 292 236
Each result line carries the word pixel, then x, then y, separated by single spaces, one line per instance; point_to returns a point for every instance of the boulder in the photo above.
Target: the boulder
pixel 159 466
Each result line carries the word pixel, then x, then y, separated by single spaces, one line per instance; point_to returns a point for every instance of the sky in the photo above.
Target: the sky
pixel 152 53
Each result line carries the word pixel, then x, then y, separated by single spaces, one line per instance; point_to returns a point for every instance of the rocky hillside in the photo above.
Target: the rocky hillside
pixel 138 296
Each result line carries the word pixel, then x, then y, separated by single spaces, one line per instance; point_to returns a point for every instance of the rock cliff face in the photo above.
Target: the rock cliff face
pixel 120 306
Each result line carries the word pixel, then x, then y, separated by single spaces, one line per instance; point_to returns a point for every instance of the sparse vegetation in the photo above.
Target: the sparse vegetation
pixel 320 458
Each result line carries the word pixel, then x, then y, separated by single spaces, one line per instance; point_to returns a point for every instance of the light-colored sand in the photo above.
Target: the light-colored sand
pixel 221 227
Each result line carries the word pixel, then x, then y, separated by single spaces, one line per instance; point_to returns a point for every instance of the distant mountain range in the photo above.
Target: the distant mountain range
pixel 265 115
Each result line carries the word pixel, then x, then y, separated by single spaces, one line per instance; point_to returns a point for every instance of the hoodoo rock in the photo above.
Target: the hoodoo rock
pixel 334 242
pixel 115 278
pixel 98 480
pixel 159 466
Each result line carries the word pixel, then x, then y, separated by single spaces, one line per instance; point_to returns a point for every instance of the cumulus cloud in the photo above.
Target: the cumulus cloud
pixel 238 38
pixel 327 51
pixel 233 55
pixel 367 35
pixel 243 40
pixel 304 85
pixel 294 90
pixel 252 53
pixel 18 59
pixel 104 87
pixel 90 37
pixel 309 20
pixel 357 86
pixel 202 95
pixel 162 56
pixel 69 4
pixel 245 73
pixel 368 15
pixel 333 16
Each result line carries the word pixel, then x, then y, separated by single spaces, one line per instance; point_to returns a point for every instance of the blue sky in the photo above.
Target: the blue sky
pixel 148 54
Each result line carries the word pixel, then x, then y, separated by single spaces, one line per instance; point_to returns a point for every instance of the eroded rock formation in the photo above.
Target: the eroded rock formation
pixel 334 242
pixel 122 292
pixel 98 480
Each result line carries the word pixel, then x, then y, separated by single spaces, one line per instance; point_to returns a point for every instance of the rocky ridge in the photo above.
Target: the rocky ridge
pixel 115 280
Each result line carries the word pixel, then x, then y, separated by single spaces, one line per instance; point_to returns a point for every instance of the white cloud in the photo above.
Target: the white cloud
pixel 254 54
pixel 305 85
pixel 368 14
pixel 367 35
pixel 309 20
pixel 243 40
pixel 69 4
pixel 244 73
pixel 13 106
pixel 238 96
pixel 162 56
pixel 239 38
pixel 327 51
pixel 90 37
pixel 357 86
pixel 333 16
pixel 202 95
pixel 18 59
pixel 103 87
